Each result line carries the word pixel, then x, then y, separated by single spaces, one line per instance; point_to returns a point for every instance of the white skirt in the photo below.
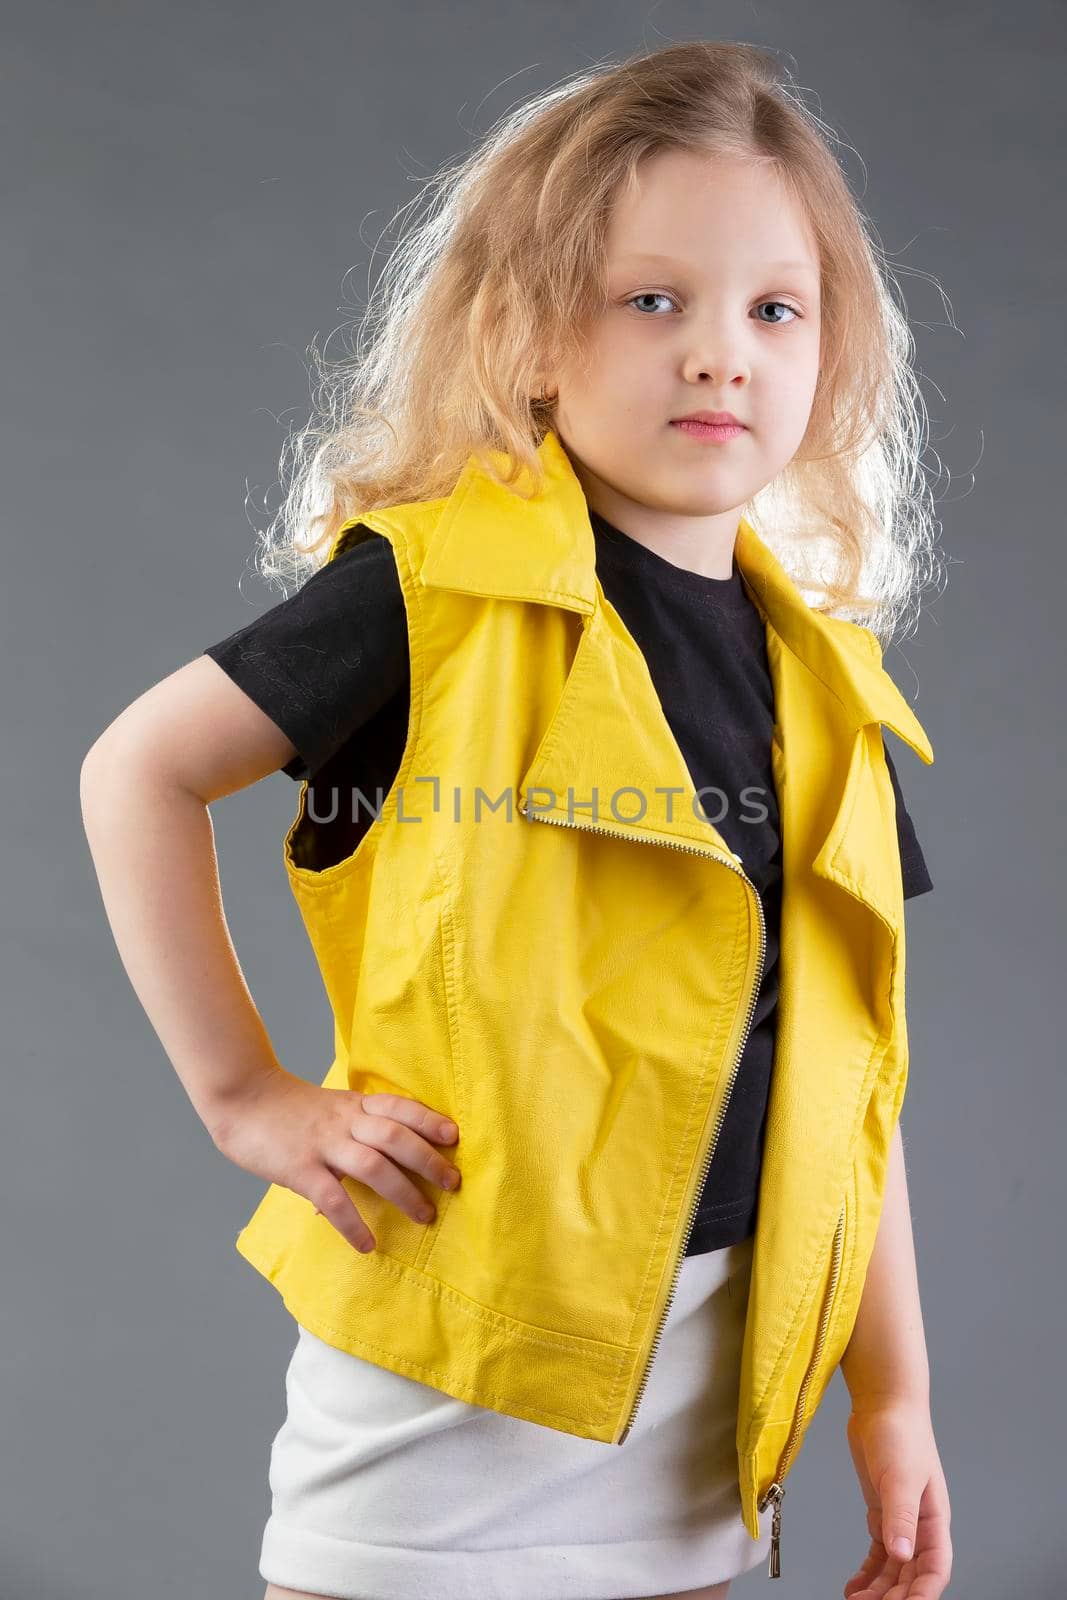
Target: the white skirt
pixel 383 1488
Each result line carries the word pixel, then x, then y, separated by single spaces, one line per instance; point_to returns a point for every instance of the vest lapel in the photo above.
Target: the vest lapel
pixel 609 732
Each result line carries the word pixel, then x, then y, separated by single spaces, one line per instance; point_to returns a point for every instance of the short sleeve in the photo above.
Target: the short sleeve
pixel 321 663
pixel 914 870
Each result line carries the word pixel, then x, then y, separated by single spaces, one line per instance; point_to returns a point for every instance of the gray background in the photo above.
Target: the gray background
pixel 185 188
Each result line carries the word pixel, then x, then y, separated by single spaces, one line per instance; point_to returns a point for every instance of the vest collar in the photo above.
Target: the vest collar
pixel 489 540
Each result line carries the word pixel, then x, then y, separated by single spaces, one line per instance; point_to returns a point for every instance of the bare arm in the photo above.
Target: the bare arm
pixel 890 1430
pixel 146 785
pixel 886 1358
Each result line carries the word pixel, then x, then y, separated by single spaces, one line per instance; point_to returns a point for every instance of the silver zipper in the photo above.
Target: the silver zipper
pixel 695 850
pixel 776 1492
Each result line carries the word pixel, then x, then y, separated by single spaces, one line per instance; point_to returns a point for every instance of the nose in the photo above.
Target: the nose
pixel 717 355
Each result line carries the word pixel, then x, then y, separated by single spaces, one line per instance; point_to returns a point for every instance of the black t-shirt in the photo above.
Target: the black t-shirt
pixel 330 667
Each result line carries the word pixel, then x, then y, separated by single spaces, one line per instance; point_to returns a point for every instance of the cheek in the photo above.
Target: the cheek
pixel 806 369
pixel 616 377
pixel 793 388
pixel 783 423
pixel 616 359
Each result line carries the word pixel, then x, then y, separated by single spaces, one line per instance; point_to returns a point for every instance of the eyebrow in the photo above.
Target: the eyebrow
pixel 772 266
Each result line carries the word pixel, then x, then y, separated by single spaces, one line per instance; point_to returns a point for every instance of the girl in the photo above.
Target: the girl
pixel 601 506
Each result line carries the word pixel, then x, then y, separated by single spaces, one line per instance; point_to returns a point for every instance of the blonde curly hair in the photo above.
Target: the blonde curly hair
pixel 507 263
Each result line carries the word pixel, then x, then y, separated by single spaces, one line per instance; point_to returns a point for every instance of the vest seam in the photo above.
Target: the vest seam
pixel 726 1206
pixel 848 1266
pixel 444 918
pixel 416 620
pixel 467 1306
pixel 803 1307
pixel 882 1040
pixel 416 1366
pixel 739 963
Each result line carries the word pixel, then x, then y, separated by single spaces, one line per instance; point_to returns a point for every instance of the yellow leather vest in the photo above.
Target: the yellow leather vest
pixel 575 986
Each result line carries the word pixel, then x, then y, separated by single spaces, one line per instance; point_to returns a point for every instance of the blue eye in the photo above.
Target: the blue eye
pixel 783 306
pixel 649 294
pixel 660 294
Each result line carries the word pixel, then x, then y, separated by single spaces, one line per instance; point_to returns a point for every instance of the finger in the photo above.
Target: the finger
pixel 864 1575
pixel 406 1147
pixel 880 1578
pixel 900 1518
pixel 432 1125
pixel 928 1572
pixel 369 1165
pixel 332 1201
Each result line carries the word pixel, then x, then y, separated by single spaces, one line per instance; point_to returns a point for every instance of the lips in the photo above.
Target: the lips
pixel 724 419
pixel 710 432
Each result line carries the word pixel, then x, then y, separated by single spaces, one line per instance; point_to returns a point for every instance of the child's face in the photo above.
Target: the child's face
pixel 700 336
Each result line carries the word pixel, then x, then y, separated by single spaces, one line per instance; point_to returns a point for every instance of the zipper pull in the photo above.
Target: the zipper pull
pixel 775 1493
pixel 774 1570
